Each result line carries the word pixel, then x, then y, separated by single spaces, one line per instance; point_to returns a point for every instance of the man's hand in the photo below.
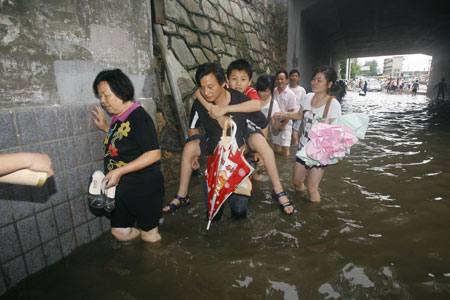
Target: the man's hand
pixel 217 111
pixel 100 119
pixel 278 116
pixel 222 120
pixel 243 149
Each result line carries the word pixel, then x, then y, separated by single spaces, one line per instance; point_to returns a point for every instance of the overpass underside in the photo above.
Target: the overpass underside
pixel 326 31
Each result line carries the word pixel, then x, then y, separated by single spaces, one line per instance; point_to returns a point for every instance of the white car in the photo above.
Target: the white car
pixel 374 85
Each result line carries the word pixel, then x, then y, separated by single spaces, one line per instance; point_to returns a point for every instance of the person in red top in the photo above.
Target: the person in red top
pixel 211 79
pixel 239 77
pixel 250 92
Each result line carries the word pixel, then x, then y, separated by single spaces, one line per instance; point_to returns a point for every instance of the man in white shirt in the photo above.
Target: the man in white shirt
pixel 294 77
pixel 287 103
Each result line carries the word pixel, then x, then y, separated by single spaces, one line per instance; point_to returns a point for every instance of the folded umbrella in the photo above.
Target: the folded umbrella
pixel 227 168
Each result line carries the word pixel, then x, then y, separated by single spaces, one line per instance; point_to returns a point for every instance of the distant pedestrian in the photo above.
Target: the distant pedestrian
pixel 287 102
pixel 415 88
pixel 340 90
pixel 300 93
pixel 442 88
pixel 365 87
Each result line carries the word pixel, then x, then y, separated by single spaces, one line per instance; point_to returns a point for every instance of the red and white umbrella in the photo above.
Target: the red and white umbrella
pixel 227 169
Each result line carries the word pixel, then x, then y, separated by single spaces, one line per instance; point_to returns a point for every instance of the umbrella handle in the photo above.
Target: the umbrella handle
pixel 229 123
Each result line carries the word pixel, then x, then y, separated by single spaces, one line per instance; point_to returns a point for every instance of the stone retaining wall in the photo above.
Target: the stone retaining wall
pixel 198 31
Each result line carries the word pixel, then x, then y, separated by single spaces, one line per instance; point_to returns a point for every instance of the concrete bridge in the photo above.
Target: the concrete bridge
pixel 326 31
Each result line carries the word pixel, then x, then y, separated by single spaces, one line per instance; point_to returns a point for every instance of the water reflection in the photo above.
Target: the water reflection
pixel 381 231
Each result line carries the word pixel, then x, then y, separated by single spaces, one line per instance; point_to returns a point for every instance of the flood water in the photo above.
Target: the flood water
pixel 380 232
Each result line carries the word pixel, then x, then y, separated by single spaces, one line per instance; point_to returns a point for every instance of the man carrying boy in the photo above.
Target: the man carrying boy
pixel 239 77
pixel 286 101
pixel 294 77
pixel 211 79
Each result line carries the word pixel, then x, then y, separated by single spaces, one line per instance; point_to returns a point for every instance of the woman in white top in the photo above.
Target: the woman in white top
pixel 314 104
pixel 264 86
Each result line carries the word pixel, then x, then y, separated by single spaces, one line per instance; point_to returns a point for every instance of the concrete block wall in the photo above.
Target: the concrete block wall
pixel 50 53
pixel 39 226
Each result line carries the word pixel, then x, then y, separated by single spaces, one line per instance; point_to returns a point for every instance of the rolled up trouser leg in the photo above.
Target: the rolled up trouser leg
pixel 238 205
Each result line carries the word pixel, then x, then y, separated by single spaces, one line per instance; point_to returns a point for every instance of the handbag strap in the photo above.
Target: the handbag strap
pixel 327 107
pixel 269 114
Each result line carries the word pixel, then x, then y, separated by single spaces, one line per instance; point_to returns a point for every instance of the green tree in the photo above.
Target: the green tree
pixel 373 66
pixel 354 69
pixel 343 68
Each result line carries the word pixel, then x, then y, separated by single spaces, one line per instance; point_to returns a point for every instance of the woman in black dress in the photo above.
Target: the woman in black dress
pixel 132 158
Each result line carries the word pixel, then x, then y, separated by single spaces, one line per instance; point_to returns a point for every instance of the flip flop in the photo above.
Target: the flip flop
pixel 276 197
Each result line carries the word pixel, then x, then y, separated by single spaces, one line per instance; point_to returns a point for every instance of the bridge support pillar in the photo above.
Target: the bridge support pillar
pixel 440 68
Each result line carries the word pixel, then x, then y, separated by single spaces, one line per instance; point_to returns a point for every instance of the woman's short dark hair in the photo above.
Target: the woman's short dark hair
pixel 118 82
pixel 264 82
pixel 208 68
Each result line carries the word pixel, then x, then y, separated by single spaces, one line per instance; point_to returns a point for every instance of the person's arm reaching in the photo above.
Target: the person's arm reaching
pixel 216 112
pixel 202 100
pixel 293 115
pixel 24 160
pixel 144 160
pixel 244 107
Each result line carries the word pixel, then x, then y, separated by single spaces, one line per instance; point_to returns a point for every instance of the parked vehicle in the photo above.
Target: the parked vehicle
pixel 374 85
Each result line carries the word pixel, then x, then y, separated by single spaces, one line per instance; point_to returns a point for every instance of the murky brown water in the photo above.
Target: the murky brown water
pixel 380 232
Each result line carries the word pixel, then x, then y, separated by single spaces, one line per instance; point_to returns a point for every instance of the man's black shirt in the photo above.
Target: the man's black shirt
pixel 199 116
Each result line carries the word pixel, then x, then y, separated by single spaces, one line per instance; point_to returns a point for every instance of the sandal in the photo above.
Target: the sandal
pixel 282 206
pixel 173 207
pixel 96 199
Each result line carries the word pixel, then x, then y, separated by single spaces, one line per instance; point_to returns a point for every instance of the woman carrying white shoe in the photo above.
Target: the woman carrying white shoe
pixel 132 158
